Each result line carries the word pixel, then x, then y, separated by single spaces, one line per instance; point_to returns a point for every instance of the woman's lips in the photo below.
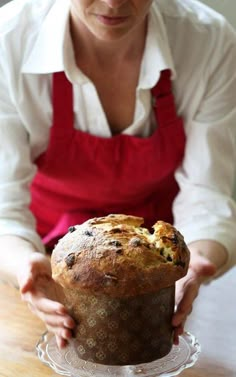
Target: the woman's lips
pixel 111 20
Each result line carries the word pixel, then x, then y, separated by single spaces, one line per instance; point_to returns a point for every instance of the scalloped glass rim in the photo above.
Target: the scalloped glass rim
pixel 180 357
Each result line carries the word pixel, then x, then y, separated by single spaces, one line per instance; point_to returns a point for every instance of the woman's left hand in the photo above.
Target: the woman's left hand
pixel 200 268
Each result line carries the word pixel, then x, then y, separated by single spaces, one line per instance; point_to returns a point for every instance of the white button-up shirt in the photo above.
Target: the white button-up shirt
pixel 185 36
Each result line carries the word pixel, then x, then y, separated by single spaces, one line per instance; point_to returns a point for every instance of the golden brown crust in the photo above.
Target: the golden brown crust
pixel 114 255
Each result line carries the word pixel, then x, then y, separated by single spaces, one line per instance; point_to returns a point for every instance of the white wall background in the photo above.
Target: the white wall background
pixel 226 7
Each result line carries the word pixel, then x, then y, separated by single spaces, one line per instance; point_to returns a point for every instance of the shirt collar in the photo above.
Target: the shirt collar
pixel 47 55
pixel 157 55
pixel 53 52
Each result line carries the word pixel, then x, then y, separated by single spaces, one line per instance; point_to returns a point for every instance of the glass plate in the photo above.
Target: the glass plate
pixel 67 363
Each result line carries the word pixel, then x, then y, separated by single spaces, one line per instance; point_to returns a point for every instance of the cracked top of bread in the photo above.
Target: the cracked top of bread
pixel 116 256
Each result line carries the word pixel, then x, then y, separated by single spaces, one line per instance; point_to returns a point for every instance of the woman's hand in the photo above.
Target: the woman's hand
pixel 200 268
pixel 43 296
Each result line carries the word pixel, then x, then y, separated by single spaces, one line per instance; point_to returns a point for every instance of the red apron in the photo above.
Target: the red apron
pixel 82 176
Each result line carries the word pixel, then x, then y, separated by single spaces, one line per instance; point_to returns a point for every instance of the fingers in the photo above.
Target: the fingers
pixel 179 318
pixel 186 292
pixel 61 343
pixel 187 288
pixel 58 321
pixel 177 332
pixel 43 304
pixel 53 314
pixel 189 292
pixel 62 333
pixel 61 327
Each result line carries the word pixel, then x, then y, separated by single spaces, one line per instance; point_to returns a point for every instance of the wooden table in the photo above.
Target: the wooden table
pixel 213 322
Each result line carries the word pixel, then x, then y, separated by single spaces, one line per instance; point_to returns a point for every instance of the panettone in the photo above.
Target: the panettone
pixel 119 285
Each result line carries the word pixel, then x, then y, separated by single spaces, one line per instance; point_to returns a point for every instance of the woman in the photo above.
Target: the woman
pixel 90 123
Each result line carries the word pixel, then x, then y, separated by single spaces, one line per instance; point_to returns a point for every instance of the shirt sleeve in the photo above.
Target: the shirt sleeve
pixel 16 167
pixel 204 207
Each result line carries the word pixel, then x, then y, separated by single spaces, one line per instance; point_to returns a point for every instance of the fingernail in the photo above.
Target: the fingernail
pixel 175 322
pixel 61 311
pixel 66 334
pixel 176 342
pixel 69 324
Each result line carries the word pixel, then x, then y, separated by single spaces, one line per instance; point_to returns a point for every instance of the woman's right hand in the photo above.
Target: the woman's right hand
pixel 43 296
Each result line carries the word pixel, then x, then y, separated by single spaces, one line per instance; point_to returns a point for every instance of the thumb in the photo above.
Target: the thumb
pixel 202 266
pixel 37 265
pixel 27 284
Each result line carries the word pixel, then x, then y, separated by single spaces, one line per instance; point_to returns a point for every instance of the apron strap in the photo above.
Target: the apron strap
pixel 163 100
pixel 62 102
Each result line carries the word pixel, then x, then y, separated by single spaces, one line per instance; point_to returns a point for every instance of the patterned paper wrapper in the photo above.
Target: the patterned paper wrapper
pixel 122 331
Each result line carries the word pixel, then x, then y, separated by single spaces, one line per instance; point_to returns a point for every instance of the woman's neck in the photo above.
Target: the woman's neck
pixel 89 48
